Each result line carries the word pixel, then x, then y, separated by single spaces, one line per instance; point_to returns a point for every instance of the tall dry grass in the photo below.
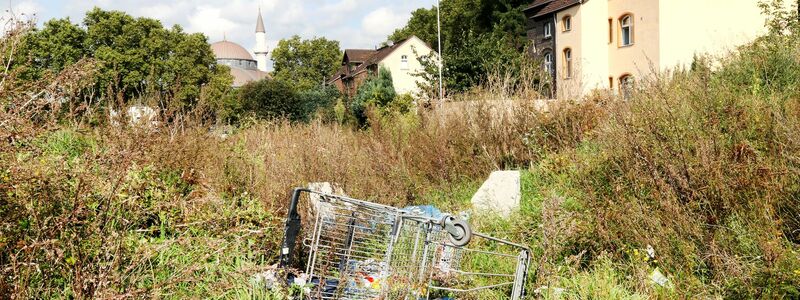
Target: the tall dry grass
pixel 174 211
pixel 396 161
pixel 702 165
pixel 177 211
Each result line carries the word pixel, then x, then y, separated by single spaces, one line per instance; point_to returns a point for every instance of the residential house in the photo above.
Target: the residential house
pixel 401 58
pixel 541 31
pixel 608 44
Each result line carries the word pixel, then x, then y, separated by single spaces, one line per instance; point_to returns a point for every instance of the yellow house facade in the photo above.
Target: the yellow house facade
pixel 609 44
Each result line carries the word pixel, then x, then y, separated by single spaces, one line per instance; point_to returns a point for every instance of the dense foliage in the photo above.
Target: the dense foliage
pixel 319 101
pixel 478 37
pixel 376 91
pixel 139 60
pixel 308 63
pixel 270 99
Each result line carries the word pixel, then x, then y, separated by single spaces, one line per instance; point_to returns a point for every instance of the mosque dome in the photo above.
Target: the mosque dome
pixel 230 50
pixel 244 67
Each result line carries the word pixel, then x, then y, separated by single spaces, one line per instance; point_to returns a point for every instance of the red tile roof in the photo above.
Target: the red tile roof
pixel 367 58
pixel 358 55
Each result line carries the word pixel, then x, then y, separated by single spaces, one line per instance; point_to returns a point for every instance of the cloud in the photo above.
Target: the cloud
pixel 170 12
pixel 293 13
pixel 341 7
pixel 24 10
pixel 209 20
pixel 383 21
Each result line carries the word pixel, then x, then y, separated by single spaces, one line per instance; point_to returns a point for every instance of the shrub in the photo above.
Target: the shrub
pixel 271 99
pixel 377 91
pixel 319 100
pixel 402 104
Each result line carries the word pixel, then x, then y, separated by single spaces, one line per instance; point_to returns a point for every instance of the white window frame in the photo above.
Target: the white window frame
pixel 548 62
pixel 548 30
pixel 404 62
pixel 626 85
pixel 567 63
pixel 567 26
pixel 626 30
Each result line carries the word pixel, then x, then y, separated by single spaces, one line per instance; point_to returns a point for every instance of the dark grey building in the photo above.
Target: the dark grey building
pixel 541 28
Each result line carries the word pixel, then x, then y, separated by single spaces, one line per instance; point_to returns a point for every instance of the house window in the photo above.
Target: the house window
pixel 610 31
pixel 568 63
pixel 567 23
pixel 548 62
pixel 404 62
pixel 548 30
pixel 626 84
pixel 626 30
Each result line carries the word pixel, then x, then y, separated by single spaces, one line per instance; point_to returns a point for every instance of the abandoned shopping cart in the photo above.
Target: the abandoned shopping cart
pixel 354 249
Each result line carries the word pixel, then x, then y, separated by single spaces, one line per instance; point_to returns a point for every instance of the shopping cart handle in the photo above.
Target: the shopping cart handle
pixel 292 229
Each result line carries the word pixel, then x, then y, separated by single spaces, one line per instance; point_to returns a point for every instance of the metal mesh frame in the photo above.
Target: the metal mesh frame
pixel 363 250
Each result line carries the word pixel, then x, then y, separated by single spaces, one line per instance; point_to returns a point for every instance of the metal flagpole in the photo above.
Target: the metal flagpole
pixel 441 63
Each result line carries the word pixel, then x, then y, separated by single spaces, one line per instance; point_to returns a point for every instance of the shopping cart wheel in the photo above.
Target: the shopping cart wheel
pixel 460 233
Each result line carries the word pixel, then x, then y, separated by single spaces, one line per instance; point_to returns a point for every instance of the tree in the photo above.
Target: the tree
pixel 319 99
pixel 271 99
pixel 57 45
pixel 218 101
pixel 139 59
pixel 478 37
pixel 422 24
pixel 142 58
pixel 307 62
pixel 377 91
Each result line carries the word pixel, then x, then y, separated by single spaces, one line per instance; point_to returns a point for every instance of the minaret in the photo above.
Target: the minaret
pixel 261 44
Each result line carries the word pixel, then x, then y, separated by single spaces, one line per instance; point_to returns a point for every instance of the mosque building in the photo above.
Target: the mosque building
pixel 244 67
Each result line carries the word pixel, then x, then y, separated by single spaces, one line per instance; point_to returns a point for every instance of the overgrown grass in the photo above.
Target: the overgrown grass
pixel 171 213
pixel 700 165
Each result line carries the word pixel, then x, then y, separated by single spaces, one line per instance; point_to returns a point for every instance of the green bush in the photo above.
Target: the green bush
pixel 271 99
pixel 402 104
pixel 319 100
pixel 377 91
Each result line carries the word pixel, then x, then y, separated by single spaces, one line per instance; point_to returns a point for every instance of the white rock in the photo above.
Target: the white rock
pixel 499 194
pixel 316 200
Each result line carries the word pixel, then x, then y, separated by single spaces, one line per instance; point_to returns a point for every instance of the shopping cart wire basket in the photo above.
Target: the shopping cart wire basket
pixel 353 249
